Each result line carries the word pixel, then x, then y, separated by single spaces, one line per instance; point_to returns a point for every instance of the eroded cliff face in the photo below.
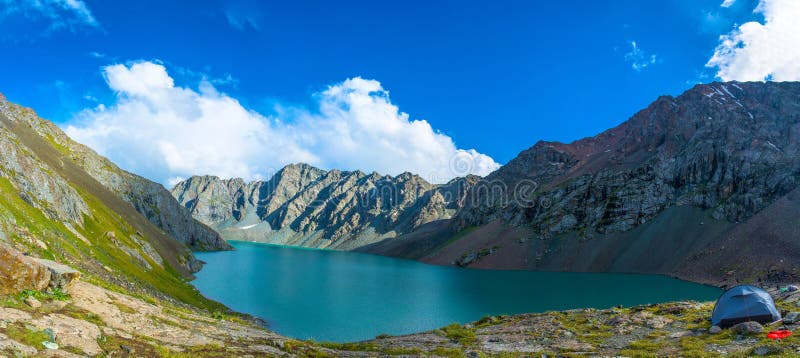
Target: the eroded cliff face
pixel 306 206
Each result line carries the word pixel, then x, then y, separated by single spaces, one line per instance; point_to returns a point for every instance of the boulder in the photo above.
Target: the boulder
pixel 714 329
pixel 19 272
pixel 748 328
pixel 61 276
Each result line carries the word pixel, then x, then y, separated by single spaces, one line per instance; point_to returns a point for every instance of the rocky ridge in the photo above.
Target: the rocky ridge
pixel 305 206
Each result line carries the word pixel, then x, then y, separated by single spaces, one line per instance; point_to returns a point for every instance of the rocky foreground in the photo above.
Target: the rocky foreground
pixel 71 318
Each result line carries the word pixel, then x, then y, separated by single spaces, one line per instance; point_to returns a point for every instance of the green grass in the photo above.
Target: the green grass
pixel 26 336
pixel 56 295
pixel 353 347
pixel 208 350
pixel 30 222
pixel 459 334
pixel 643 348
pixel 448 352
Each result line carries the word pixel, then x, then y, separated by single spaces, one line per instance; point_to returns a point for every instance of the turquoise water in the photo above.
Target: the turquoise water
pixel 345 296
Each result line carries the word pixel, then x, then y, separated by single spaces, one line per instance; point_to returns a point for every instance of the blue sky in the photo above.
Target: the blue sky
pixel 492 76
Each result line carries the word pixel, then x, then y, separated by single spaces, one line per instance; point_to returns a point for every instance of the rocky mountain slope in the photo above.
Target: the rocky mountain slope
pixel 702 185
pixel 63 202
pixel 306 206
pixel 147 197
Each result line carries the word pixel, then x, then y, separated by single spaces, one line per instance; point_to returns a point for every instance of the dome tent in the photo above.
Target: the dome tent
pixel 744 303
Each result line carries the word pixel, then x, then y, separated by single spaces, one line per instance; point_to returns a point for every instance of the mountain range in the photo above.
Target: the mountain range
pixel 702 186
pixel 305 206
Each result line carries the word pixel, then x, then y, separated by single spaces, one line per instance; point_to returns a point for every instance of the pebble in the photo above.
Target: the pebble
pixel 127 349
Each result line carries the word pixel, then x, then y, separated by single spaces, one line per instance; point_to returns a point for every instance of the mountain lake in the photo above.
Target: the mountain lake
pixel 345 296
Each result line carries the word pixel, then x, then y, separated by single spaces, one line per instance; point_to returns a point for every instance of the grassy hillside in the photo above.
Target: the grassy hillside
pixel 112 244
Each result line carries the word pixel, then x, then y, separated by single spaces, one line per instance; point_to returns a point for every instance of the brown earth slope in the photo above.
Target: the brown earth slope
pixel 699 186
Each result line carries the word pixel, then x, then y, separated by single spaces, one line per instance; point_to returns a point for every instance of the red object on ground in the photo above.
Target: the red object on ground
pixel 779 334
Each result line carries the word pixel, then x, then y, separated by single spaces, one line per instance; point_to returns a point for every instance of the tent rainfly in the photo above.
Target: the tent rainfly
pixel 744 303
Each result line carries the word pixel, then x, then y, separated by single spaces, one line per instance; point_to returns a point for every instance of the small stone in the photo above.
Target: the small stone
pixel 766 350
pixel 127 349
pixel 55 305
pixel 791 318
pixel 33 302
pixel 748 328
pixel 658 322
pixel 714 329
pixel 681 334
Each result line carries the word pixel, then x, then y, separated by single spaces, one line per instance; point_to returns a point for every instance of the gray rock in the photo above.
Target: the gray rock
pixel 766 350
pixel 748 328
pixel 714 329
pixel 792 318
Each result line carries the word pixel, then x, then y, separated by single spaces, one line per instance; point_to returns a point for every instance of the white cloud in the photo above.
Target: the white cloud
pixel 59 13
pixel 758 51
pixel 164 132
pixel 728 3
pixel 638 59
